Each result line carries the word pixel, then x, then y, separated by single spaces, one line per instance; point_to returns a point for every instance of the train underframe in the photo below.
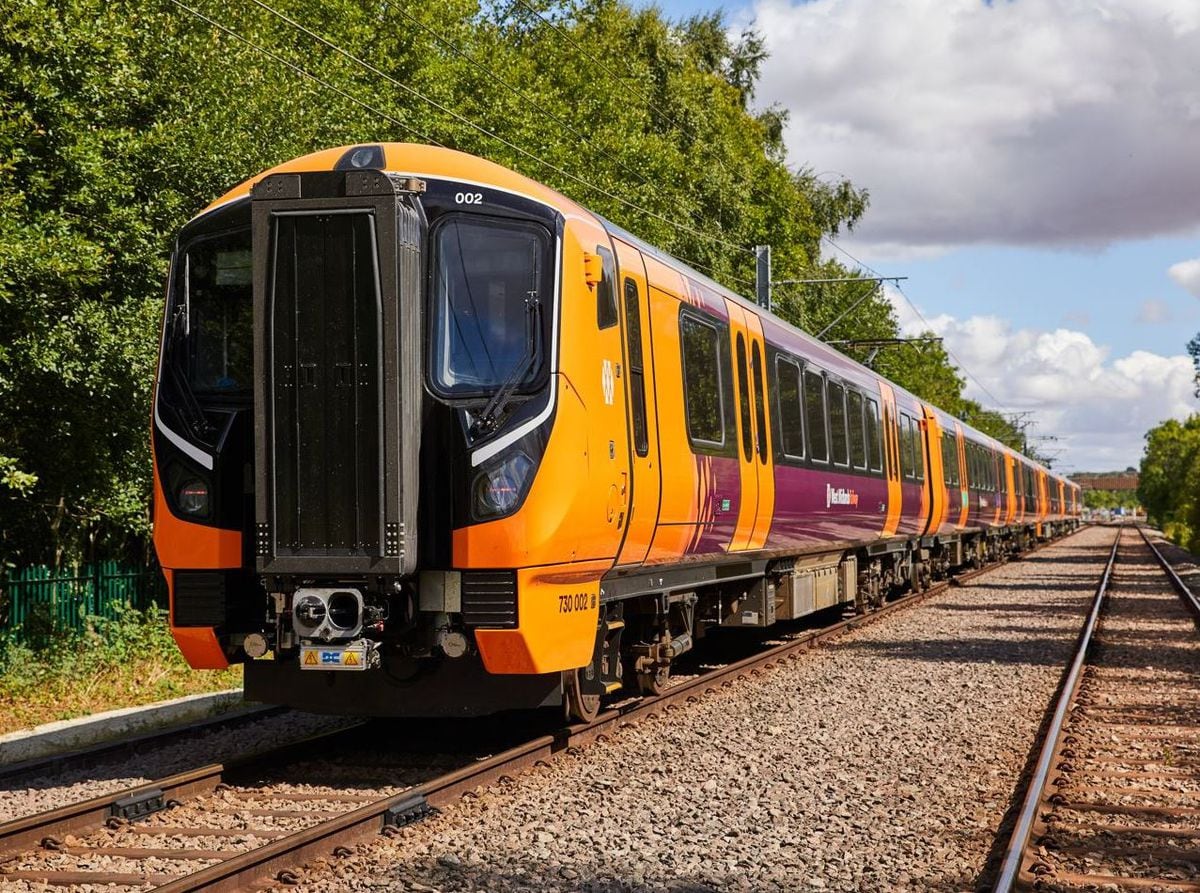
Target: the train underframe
pixel 642 631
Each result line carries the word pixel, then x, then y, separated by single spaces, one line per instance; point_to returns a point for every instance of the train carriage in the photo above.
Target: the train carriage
pixel 432 439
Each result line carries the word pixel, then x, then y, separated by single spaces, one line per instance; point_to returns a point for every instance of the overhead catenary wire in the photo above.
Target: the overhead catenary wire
pixel 412 91
pixel 405 127
pixel 917 310
pixel 627 81
pixel 516 91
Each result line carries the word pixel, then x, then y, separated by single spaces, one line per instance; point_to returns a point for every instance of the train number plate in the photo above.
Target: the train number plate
pixel 318 657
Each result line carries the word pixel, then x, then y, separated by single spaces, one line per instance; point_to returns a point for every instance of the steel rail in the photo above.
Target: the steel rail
pixel 332 835
pixel 244 869
pixel 1014 856
pixel 1185 592
pixel 20 834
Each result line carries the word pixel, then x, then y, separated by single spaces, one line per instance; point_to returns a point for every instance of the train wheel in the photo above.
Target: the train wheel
pixel 653 681
pixel 580 707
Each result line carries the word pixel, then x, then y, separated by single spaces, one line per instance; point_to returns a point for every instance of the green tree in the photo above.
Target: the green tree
pixel 1170 478
pixel 120 120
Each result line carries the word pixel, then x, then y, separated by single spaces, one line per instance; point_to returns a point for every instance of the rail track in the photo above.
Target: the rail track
pixel 247 822
pixel 1114 801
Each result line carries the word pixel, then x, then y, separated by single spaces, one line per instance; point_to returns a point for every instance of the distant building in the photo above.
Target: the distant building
pixel 1107 480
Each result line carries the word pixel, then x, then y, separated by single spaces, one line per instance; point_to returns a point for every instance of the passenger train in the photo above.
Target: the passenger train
pixel 432 439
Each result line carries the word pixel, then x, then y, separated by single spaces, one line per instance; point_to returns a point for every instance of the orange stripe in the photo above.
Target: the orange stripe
pixel 936 473
pixel 887 399
pixel 765 471
pixel 963 482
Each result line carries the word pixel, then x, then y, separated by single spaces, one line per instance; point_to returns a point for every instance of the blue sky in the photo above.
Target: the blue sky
pixel 1034 170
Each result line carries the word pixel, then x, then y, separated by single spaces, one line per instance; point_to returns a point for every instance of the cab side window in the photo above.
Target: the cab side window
pixel 606 297
pixel 637 378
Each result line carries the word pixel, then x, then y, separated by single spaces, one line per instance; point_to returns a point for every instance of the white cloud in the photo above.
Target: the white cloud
pixel 1074 122
pixel 1098 406
pixel 1187 274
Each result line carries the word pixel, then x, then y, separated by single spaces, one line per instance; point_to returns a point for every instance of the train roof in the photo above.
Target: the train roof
pixel 418 159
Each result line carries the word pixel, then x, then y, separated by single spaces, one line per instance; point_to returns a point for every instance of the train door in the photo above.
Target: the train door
pixel 749 440
pixel 646 483
pixel 764 468
pixel 891 460
pixel 964 475
pixel 931 441
pixel 995 485
pixel 1010 489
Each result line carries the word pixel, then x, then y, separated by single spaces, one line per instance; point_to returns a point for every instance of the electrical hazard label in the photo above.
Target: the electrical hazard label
pixel 313 657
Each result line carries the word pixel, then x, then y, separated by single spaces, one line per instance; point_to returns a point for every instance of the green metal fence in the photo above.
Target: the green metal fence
pixel 36 602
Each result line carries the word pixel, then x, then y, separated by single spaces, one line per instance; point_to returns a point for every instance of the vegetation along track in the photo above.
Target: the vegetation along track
pixel 227 826
pixel 1114 802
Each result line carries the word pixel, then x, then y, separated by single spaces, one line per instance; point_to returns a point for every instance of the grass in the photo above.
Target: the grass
pixel 124 662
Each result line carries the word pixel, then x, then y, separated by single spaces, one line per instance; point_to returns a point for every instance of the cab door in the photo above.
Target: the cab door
pixel 638 378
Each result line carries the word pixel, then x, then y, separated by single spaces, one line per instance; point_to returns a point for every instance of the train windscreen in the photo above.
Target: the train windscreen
pixel 488 278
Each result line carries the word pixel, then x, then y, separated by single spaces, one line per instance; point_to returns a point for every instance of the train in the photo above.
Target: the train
pixel 432 439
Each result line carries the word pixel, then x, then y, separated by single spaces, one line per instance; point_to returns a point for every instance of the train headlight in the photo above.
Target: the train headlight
pixel 498 490
pixel 193 498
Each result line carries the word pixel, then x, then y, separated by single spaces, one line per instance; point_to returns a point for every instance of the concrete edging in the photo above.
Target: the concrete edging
pixel 73 734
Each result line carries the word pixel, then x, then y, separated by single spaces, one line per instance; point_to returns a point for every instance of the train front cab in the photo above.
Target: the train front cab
pixel 465 546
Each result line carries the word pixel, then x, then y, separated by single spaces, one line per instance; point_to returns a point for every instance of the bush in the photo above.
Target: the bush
pixel 120 662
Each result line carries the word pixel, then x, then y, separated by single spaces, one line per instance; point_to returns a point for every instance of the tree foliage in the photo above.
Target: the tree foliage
pixel 1170 479
pixel 119 120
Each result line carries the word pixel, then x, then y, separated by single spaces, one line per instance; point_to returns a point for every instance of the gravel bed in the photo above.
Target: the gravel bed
pixel 1139 744
pixel 27 794
pixel 886 760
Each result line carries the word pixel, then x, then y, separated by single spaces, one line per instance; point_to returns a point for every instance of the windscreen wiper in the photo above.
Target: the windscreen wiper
pixel 489 416
pixel 191 411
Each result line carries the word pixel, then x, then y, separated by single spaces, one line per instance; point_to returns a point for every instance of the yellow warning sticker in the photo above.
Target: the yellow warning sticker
pixel 315 657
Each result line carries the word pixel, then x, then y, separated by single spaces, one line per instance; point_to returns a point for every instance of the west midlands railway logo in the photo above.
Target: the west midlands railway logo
pixel 607 382
pixel 840 496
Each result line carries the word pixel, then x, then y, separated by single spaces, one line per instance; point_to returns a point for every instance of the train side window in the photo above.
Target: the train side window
pixel 637 378
pixel 606 297
pixel 814 416
pixel 918 444
pixel 874 451
pixel 743 390
pixel 760 406
pixel 949 460
pixel 858 443
pixel 702 382
pixel 906 447
pixel 791 415
pixel 837 424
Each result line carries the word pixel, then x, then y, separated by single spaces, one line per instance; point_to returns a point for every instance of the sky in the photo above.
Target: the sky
pixel 1034 170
